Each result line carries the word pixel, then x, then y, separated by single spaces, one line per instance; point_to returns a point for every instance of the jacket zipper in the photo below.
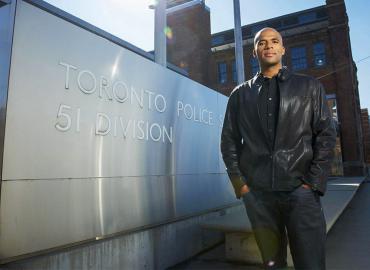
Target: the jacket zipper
pixel 276 135
pixel 273 171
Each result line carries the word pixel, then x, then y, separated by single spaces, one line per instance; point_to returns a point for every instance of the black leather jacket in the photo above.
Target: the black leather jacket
pixel 305 136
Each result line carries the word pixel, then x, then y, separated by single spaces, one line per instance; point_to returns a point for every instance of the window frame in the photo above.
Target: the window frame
pixel 298 56
pixel 222 74
pixel 319 53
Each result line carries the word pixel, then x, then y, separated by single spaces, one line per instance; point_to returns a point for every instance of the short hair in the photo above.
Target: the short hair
pixel 256 36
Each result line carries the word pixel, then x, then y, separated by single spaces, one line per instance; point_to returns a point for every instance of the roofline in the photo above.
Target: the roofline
pixel 274 18
pixel 186 5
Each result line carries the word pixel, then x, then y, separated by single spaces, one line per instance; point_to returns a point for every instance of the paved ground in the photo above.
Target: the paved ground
pixel 348 244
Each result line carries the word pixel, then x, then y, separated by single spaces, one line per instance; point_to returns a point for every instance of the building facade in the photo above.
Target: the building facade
pixel 317 43
pixel 365 120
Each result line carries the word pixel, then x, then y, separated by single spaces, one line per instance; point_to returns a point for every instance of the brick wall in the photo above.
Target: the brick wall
pixel 366 134
pixel 190 44
pixel 346 89
pixel 190 49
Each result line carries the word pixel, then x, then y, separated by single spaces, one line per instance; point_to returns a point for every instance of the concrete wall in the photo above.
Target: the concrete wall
pixel 155 248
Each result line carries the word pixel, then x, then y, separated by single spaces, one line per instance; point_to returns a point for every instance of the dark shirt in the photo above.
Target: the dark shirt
pixel 268 106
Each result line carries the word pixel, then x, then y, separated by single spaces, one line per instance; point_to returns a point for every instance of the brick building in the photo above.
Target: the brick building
pixel 365 120
pixel 317 43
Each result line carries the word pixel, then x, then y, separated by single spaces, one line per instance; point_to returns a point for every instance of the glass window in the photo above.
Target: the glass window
pixel 308 17
pixel 255 66
pixel 234 71
pixel 337 163
pixel 319 54
pixel 217 40
pixel 299 59
pixel 222 72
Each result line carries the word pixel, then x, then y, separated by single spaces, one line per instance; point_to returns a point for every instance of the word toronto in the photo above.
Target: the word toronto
pixel 118 91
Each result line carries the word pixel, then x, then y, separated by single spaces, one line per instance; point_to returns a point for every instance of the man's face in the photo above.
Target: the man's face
pixel 268 48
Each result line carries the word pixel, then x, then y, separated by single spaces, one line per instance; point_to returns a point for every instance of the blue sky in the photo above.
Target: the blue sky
pixel 133 21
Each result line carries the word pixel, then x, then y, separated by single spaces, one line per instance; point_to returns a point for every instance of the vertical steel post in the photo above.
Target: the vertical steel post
pixel 239 60
pixel 160 21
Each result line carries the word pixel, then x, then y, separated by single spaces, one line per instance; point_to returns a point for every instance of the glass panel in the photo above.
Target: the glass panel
pixel 217 40
pixel 337 164
pixel 308 17
pixel 254 65
pixel 234 71
pixel 299 60
pixel 319 54
pixel 222 74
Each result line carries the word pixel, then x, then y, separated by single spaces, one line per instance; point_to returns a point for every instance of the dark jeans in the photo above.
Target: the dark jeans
pixel 297 216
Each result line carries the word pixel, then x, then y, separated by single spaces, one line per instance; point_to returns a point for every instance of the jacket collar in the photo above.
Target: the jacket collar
pixel 283 75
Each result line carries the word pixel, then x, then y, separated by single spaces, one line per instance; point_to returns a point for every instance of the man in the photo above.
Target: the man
pixel 277 143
